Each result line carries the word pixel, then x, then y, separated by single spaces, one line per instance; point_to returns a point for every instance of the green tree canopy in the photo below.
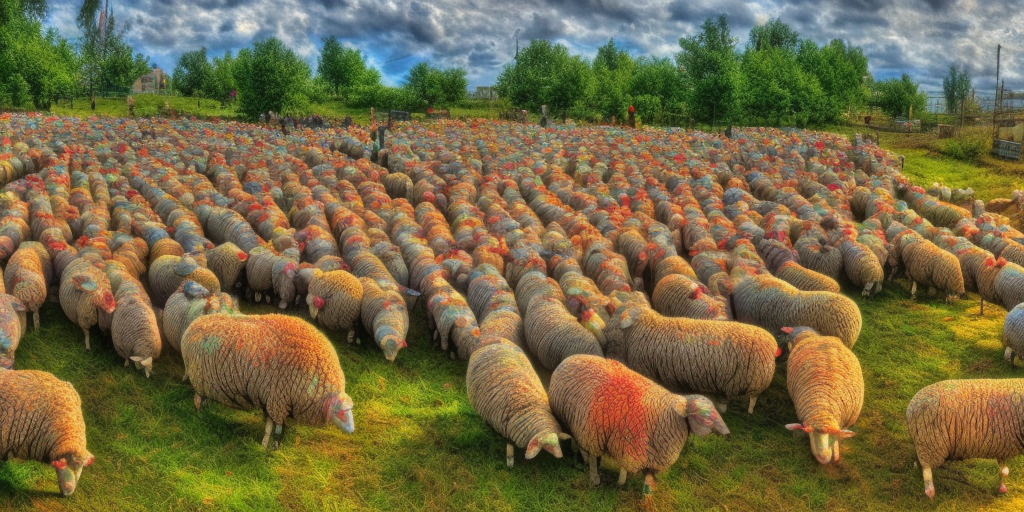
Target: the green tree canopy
pixel 341 67
pixel 35 66
pixel 546 74
pixel 193 76
pixel 711 70
pixel 429 86
pixel 270 76
pixel 956 86
pixel 774 34
pixel 896 96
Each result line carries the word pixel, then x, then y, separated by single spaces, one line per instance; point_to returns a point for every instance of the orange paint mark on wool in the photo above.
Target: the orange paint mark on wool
pixel 616 408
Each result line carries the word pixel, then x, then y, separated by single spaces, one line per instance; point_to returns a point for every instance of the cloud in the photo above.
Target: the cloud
pixel 919 37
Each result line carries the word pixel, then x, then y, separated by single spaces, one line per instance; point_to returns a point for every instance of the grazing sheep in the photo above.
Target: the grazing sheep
pixel 383 313
pixel 276 363
pixel 41 420
pixel 535 285
pixel 227 262
pixel 12 327
pixel 719 359
pixel 168 272
pixel 863 268
pixel 186 305
pixel 1013 334
pixel 771 303
pixel 678 295
pixel 506 392
pixel 267 271
pixel 26 277
pixel 827 386
pixel 967 419
pixel 612 410
pixel 553 334
pixel 134 329
pixel 925 263
pixel 334 300
pixel 84 292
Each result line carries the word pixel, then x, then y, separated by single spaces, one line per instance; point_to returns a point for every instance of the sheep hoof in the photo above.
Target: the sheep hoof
pixel 510 452
pixel 1008 355
pixel 622 476
pixel 750 408
pixel 259 298
pixel 198 401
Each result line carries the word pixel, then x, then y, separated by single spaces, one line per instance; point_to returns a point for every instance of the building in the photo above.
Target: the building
pixel 152 82
pixel 484 93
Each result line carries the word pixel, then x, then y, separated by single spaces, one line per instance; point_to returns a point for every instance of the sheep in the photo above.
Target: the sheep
pixel 863 268
pixel 534 285
pixel 227 262
pixel 925 263
pixel 610 409
pixel 279 364
pixel 553 334
pixel 824 379
pixel 967 419
pixel 187 304
pixel 84 292
pixel 334 300
pixel 134 328
pixel 771 303
pixel 12 327
pixel 506 392
pixel 267 271
pixel 26 277
pixel 383 313
pixel 168 272
pixel 678 295
pixel 41 420
pixel 719 359
pixel 1013 334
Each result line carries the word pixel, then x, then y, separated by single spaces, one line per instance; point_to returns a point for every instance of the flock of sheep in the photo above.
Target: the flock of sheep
pixel 630 264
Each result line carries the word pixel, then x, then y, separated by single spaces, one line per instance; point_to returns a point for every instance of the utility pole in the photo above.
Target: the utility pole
pixel 995 108
pixel 517 51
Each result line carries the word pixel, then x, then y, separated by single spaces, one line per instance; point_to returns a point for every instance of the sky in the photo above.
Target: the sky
pixel 919 37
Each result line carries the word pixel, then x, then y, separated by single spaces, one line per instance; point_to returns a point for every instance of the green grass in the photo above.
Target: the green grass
pixel 419 446
pixel 146 105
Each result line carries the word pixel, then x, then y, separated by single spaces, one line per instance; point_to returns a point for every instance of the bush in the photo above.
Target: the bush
pixel 381 97
pixel 967 148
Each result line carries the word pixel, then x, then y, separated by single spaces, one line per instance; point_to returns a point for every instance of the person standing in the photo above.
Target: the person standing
pixel 631 120
pixel 131 105
pixel 93 105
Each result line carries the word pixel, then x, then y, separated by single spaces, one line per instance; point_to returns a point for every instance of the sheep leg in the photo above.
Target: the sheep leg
pixel 649 487
pixel 867 289
pixel 1008 355
pixel 267 430
pixel 835 451
pixel 351 335
pixel 595 478
pixel 259 297
pixel 982 312
pixel 913 290
pixel 750 408
pixel 929 486
pixel 510 454
pixel 197 400
pixel 1003 473
pixel 35 319
pixel 279 434
pixel 878 287
pixel 622 476
pixel 86 338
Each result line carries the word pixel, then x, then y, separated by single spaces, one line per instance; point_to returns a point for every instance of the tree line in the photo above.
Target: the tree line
pixel 777 78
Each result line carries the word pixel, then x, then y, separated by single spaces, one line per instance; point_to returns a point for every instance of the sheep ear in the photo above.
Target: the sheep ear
pixel 18 306
pixel 798 426
pixel 84 283
pixel 185 266
pixel 89 459
pixel 533 448
pixel 787 330
pixel 846 434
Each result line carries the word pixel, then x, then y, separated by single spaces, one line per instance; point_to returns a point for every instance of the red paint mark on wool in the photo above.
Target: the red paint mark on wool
pixel 617 408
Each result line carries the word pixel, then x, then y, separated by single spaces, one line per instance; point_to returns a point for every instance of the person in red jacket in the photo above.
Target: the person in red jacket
pixel 631 120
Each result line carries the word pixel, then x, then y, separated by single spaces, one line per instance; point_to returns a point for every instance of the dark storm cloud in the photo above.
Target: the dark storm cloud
pixel 919 37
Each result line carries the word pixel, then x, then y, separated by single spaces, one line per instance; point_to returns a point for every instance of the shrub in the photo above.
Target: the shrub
pixel 967 148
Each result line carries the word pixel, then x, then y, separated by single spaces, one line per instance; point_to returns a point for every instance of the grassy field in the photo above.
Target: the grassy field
pixel 419 446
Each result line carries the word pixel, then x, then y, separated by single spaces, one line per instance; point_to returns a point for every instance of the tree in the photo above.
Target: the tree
pixel 840 71
pixel 896 96
pixel 659 79
pixel 35 66
pixel 222 77
pixel 546 74
pixel 107 59
pixel 193 76
pixel 612 71
pixel 341 67
pixel 956 86
pixel 434 87
pixel 774 34
pixel 270 76
pixel 711 68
